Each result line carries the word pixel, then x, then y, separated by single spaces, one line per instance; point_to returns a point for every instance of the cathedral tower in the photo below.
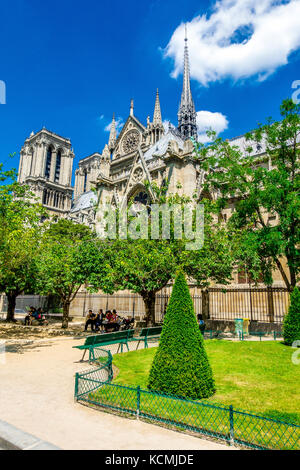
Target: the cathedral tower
pixel 187 114
pixel 46 162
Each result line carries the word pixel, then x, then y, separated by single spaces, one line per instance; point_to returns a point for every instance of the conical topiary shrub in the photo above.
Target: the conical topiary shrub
pixel 291 325
pixel 180 367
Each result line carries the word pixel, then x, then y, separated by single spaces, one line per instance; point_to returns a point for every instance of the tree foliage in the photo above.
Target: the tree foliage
pixel 213 262
pixel 19 238
pixel 141 266
pixel 181 367
pixel 145 265
pixel 264 191
pixel 68 257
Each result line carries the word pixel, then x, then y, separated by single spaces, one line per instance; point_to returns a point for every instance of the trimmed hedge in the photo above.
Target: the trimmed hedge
pixel 291 326
pixel 180 366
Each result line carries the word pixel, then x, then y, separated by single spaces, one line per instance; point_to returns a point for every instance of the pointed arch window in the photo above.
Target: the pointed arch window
pixel 48 163
pixel 85 181
pixel 57 166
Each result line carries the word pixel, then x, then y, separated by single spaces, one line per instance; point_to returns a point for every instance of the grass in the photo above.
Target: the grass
pixel 255 376
pixel 258 377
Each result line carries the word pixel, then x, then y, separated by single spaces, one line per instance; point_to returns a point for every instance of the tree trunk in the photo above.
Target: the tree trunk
pixel 66 309
pixel 149 300
pixel 283 274
pixel 205 304
pixel 11 305
pixel 293 278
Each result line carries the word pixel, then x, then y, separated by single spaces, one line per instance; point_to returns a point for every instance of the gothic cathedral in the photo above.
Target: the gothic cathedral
pixel 153 153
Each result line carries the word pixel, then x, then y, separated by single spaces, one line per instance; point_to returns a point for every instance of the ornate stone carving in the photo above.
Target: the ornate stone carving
pixel 138 174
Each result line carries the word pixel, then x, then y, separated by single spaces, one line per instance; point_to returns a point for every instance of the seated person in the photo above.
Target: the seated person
pixel 29 316
pixel 90 320
pixel 99 320
pixel 114 317
pixel 108 316
pixel 201 323
pixel 34 313
pixel 40 317
pixel 112 321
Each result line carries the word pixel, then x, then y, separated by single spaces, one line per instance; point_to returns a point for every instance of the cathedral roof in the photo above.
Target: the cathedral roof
pixel 159 149
pixel 85 201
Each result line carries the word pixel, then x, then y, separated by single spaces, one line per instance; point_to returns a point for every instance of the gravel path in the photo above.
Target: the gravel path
pixel 36 395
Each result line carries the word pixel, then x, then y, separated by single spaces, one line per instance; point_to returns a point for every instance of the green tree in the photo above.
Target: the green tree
pixel 70 255
pixel 20 234
pixel 180 366
pixel 264 191
pixel 291 326
pixel 213 262
pixel 143 267
pixel 146 266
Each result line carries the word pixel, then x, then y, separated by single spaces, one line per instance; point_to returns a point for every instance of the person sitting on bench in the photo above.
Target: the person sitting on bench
pixel 201 323
pixel 112 321
pixel 90 320
pixel 114 317
pixel 40 317
pixel 29 316
pixel 108 315
pixel 99 320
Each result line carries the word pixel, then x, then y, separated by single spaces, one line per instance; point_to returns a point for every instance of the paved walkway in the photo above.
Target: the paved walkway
pixel 36 395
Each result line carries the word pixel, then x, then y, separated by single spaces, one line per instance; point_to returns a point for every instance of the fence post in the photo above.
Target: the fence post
pixel 231 420
pixel 76 385
pixel 270 304
pixel 138 402
pixel 110 367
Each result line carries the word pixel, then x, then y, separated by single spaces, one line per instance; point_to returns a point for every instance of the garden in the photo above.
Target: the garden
pixel 258 376
pixel 242 392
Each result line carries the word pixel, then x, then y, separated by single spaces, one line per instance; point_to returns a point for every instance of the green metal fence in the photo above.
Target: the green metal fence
pixel 223 422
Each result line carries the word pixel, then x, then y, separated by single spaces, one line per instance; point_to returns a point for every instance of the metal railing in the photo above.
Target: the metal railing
pixel 227 423
pixel 268 305
pixel 261 304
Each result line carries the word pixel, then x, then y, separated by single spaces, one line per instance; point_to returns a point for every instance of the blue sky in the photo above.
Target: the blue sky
pixel 68 65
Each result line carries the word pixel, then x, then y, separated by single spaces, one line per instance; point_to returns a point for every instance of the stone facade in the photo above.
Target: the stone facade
pixel 46 162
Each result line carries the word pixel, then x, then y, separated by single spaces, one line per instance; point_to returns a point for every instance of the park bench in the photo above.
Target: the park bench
pixel 212 333
pixel 148 333
pixel 260 334
pixel 91 342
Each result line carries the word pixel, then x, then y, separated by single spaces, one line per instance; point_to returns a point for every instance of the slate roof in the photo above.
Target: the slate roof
pixel 159 149
pixel 85 201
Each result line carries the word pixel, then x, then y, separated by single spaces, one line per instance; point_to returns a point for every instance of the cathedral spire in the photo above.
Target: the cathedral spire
pixel 131 108
pixel 187 114
pixel 156 128
pixel 112 135
pixel 157 121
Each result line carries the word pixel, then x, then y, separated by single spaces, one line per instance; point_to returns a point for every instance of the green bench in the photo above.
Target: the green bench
pixel 148 333
pixel 91 342
pixel 212 333
pixel 260 334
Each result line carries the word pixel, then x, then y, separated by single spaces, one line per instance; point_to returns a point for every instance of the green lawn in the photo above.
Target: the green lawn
pixel 255 376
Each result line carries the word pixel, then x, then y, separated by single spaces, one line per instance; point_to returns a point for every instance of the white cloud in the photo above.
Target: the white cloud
pixel 119 125
pixel 239 39
pixel 210 121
